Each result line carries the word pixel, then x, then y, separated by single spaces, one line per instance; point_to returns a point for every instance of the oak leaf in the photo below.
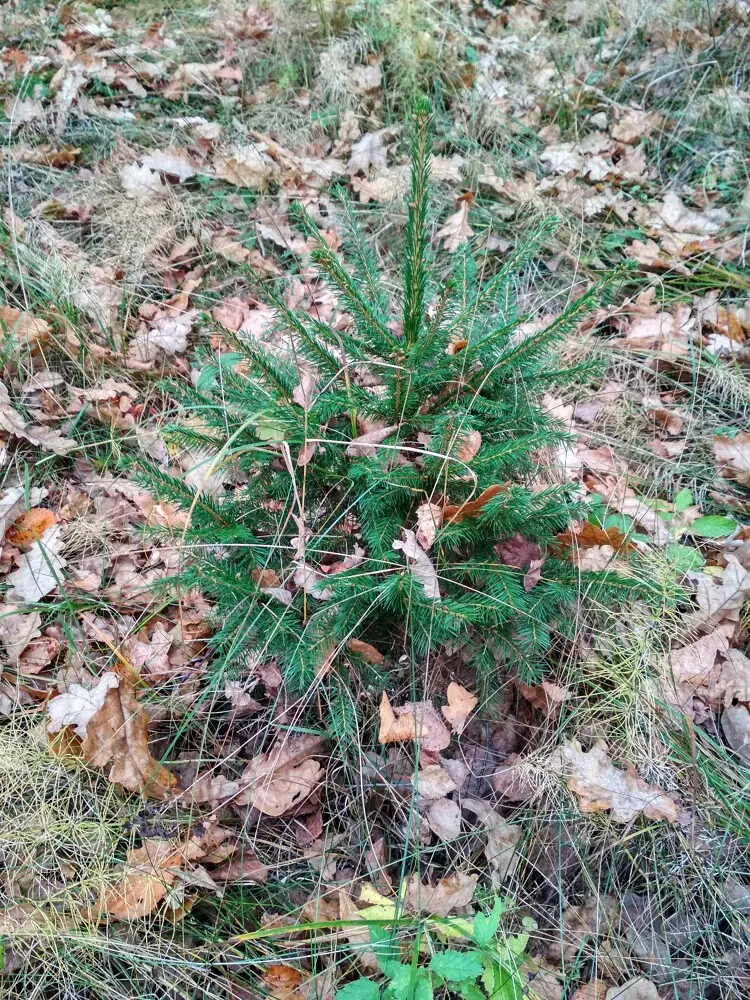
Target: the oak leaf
pixel 282 779
pixel 40 568
pixel 149 872
pixel 502 837
pixel 734 455
pixel 449 894
pixel 117 736
pixel 429 519
pixel 469 446
pixel 416 721
pixel 461 703
pixel 603 787
pixel 433 782
pixel 456 229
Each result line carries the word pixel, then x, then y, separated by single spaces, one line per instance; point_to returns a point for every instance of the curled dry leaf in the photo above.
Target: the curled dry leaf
pixel 114 728
pixel 416 721
pixel 420 565
pixel 429 519
pixel 249 166
pixel 280 780
pixel 365 446
pixel 366 651
pixel 23 327
pixel 386 185
pixel 735 724
pixel 547 697
pixel 369 151
pixel 461 703
pixel 18 628
pixel 447 895
pixel 44 437
pixel 601 786
pixel 588 535
pixel 456 513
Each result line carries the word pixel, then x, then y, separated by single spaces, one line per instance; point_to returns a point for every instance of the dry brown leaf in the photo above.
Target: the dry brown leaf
pixel 142 183
pixel 433 782
pixel 249 166
pixel 461 703
pixel 369 151
pixel 365 446
pixel 416 721
pixel 735 724
pixel 595 989
pixel 522 553
pixel 245 868
pixel 303 393
pixel 502 837
pixel 147 876
pixel 456 229
pixel 429 519
pixel 734 456
pixel 386 185
pixel 451 893
pixel 39 569
pixel 469 446
pixel 456 513
pixel 18 629
pixel 114 728
pixel 603 787
pixel 364 649
pixel 633 989
pixel 117 734
pixel 588 535
pixel 19 111
pixel 720 600
pixel 443 817
pixel 280 780
pixel 547 697
pixel 173 161
pixel 22 326
pixel 420 565
pixel 636 123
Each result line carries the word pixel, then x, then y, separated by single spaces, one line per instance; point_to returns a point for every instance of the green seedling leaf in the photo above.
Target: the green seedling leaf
pixel 683 499
pixel 270 430
pixel 684 558
pixel 470 992
pixel 486 924
pixel 456 966
pixel 712 526
pixel 360 989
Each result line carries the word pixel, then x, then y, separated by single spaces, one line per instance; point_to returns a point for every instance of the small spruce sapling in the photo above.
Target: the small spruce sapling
pixel 382 470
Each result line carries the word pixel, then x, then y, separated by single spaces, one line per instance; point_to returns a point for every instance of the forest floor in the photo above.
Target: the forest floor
pixel 148 154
